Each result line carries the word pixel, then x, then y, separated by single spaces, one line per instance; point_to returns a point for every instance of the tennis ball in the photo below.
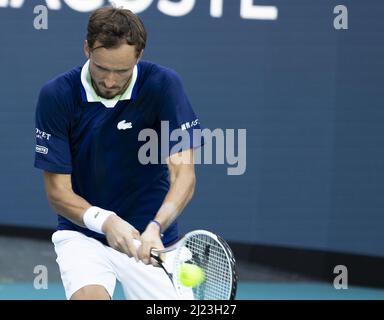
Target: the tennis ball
pixel 191 275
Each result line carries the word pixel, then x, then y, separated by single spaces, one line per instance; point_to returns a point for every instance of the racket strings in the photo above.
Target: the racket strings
pixel 209 255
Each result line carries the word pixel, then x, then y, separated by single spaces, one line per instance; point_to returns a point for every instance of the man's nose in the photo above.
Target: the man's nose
pixel 109 81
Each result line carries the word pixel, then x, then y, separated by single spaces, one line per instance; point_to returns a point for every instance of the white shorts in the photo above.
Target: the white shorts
pixel 86 261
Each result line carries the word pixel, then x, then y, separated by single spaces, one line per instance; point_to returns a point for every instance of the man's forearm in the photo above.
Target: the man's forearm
pixel 178 196
pixel 69 204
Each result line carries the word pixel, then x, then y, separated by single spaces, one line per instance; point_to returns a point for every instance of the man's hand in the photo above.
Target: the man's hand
pixel 150 239
pixel 120 235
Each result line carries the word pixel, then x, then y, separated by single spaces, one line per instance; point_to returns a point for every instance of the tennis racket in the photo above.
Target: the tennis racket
pixel 209 252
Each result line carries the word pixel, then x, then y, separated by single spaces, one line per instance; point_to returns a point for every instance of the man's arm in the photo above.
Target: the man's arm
pixel 182 178
pixel 64 201
pixel 62 198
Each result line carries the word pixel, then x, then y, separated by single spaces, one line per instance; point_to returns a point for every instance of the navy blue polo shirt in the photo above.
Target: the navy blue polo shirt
pixel 97 141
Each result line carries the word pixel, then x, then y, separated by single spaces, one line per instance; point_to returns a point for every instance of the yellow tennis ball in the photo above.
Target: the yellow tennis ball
pixel 191 275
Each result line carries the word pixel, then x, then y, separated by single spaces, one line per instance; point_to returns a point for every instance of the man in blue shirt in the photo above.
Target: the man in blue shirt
pixel 88 123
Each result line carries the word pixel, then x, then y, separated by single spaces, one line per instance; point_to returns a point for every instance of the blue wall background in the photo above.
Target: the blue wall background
pixel 310 97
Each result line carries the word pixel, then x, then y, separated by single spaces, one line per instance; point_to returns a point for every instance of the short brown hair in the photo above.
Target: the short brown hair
pixel 112 26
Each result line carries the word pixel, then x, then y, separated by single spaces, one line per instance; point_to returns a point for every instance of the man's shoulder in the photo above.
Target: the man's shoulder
pixel 64 84
pixel 157 75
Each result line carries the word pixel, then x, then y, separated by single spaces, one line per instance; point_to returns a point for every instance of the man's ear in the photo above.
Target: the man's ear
pixel 86 49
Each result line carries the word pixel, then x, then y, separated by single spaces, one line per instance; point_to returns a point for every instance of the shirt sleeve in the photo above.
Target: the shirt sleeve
pixel 180 126
pixel 52 133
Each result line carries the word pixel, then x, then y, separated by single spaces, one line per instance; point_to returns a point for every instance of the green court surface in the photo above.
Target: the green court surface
pixel 246 291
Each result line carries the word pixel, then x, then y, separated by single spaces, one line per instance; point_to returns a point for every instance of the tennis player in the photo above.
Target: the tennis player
pixel 87 125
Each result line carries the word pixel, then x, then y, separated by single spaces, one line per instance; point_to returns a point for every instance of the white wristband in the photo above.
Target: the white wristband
pixel 94 218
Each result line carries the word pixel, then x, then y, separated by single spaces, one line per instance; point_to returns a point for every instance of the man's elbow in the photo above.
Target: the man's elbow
pixel 53 197
pixel 56 196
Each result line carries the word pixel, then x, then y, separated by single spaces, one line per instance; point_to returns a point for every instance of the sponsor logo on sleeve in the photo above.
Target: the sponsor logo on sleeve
pixel 188 125
pixel 41 149
pixel 42 135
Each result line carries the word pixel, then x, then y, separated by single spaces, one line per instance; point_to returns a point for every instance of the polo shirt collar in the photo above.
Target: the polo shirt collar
pixel 90 95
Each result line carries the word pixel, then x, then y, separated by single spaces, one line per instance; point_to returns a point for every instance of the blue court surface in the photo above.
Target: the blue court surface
pixel 246 291
pixel 20 256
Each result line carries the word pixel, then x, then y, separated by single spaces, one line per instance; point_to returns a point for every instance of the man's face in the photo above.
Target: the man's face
pixel 111 69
